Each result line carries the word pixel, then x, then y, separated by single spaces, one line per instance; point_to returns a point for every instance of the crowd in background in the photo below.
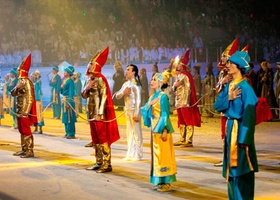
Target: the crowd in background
pixel 144 31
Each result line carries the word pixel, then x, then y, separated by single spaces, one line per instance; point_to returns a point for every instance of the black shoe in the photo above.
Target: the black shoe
pixel 94 167
pixel 70 137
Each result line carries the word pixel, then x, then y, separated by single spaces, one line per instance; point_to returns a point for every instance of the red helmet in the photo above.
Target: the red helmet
pixel 24 67
pixel 98 61
pixel 184 61
pixel 231 49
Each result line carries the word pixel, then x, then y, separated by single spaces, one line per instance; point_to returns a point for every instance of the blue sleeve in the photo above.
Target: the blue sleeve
pixel 146 114
pixel 221 104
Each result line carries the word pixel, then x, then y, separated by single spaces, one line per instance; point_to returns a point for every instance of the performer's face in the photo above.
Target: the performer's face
pixel 91 66
pixel 154 83
pixel 232 68
pixel 129 74
pixel 224 59
pixel 178 68
pixel 66 74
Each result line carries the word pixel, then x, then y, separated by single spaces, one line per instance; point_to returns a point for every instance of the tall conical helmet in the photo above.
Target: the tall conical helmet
pixel 24 67
pixel 98 61
pixel 231 49
pixel 185 60
pixel 246 48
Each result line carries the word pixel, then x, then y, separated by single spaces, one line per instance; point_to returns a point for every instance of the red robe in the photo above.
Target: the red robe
pixel 111 126
pixel 191 115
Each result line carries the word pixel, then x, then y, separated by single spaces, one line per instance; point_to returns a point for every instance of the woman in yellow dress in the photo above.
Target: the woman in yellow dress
pixel 156 116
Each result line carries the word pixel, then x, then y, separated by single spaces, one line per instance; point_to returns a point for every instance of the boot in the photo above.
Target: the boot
pixel 183 136
pixel 30 144
pixel 36 130
pixel 190 130
pixel 106 167
pixel 41 130
pixel 89 145
pixel 23 147
pixel 98 156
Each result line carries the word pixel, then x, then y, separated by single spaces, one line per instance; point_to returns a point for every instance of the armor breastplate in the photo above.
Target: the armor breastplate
pixel 24 96
pixel 182 92
pixel 96 98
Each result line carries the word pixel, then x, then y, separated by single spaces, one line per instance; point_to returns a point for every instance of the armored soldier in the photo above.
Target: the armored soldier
pixel 26 108
pixel 185 103
pixel 101 114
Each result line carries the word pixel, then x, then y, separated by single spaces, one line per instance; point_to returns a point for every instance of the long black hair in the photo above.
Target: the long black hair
pixel 135 69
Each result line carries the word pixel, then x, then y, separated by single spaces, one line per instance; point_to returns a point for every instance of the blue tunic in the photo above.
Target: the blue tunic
pixel 68 107
pixel 10 87
pixel 55 85
pixel 38 98
pixel 240 114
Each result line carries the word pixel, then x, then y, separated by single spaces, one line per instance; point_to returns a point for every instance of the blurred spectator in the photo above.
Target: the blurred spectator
pixel 252 77
pixel 154 54
pixel 265 85
pixel 119 79
pixel 147 55
pixel 277 85
pixel 145 86
pixel 197 82
pixel 154 70
pixel 133 53
pixel 36 57
pixel 208 84
pixel 161 53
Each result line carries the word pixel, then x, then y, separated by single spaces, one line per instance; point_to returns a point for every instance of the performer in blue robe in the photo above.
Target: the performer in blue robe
pixel 10 87
pixel 68 105
pixel 78 92
pixel 238 101
pixel 156 116
pixel 55 84
pixel 36 79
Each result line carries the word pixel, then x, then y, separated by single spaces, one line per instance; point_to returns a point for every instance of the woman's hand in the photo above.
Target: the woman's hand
pixel 152 102
pixel 164 135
